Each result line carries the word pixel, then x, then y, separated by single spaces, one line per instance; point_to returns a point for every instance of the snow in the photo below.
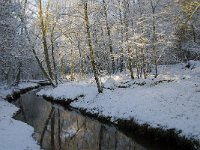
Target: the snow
pixel 14 135
pixel 170 101
pixel 5 91
pixel 69 133
pixel 110 84
pixel 25 85
pixel 71 91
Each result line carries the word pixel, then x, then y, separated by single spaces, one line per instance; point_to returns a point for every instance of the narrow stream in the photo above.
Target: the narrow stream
pixel 57 128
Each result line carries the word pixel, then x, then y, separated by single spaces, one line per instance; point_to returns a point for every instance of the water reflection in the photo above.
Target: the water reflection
pixel 60 129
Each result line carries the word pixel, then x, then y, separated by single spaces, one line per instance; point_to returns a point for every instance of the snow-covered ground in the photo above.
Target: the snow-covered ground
pixel 6 91
pixel 14 135
pixel 170 101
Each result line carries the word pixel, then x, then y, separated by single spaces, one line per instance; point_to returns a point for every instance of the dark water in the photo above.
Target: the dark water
pixel 57 128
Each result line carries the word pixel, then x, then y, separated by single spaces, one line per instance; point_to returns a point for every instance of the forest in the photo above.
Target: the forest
pixel 134 61
pixel 58 40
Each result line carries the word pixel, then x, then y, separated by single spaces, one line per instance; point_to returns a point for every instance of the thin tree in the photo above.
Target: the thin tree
pixel 130 51
pixel 122 37
pixel 91 51
pixel 43 25
pixel 109 36
pixel 46 74
pixel 155 55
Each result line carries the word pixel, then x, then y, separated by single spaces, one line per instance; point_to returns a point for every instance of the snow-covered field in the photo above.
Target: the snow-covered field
pixel 14 135
pixel 170 101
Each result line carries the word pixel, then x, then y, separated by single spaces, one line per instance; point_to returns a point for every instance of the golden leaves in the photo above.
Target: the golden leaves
pixel 189 7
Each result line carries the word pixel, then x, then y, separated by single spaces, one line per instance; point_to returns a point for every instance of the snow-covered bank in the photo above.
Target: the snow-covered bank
pixel 13 92
pixel 172 101
pixel 14 135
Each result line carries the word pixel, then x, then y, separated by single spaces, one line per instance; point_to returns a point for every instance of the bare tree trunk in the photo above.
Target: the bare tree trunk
pixel 81 59
pixel 17 80
pixel 109 37
pixel 38 60
pixel 92 59
pixel 44 36
pixel 62 68
pixel 143 59
pixel 121 30
pixel 137 64
pixel 53 57
pixel 130 52
pixel 42 68
pixel 33 49
pixel 144 67
pixel 154 48
pixel 193 33
pixel 71 67
pixel 154 6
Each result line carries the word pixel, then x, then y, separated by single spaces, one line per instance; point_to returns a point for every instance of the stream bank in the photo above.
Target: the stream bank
pixel 14 134
pixel 166 108
pixel 14 92
pixel 62 127
pixel 131 128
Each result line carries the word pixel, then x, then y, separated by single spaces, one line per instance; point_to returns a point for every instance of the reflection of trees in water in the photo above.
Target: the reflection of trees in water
pixel 46 125
pixel 21 110
pixel 59 129
pixel 52 130
pixel 100 136
pixel 74 132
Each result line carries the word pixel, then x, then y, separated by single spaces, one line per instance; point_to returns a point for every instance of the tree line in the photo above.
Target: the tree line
pixel 99 37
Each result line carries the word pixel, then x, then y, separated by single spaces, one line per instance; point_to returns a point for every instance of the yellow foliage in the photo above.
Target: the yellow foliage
pixel 189 7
